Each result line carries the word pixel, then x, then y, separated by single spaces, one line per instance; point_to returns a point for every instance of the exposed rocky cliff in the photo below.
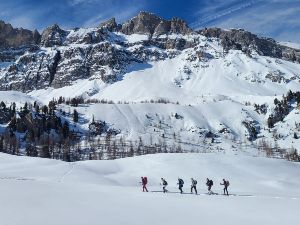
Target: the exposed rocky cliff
pixel 16 37
pixel 150 24
pixel 59 57
pixel 247 42
pixel 111 25
pixel 53 36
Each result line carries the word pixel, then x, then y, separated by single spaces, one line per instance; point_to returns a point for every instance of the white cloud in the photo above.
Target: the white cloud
pixel 227 11
pixel 273 18
pixel 78 2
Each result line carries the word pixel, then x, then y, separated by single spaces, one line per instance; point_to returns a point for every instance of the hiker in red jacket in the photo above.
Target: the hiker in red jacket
pixel 144 183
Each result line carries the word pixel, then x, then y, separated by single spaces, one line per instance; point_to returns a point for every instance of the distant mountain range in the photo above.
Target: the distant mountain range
pixel 154 80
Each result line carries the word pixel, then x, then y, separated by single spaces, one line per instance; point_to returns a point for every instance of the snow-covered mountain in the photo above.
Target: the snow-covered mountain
pixel 155 80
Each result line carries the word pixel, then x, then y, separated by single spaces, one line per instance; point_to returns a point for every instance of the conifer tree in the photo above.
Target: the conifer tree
pixel 75 116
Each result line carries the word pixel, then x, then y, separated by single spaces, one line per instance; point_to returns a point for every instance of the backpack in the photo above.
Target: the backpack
pixel 211 182
pixel 165 183
pixel 181 181
pixel 145 180
pixel 195 182
pixel 227 183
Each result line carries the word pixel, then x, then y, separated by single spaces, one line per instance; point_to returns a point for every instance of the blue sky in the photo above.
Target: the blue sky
pixel 279 19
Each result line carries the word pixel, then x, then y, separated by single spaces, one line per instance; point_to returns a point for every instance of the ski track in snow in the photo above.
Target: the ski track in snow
pixel 62 178
pixel 230 195
pixel 95 191
pixel 17 178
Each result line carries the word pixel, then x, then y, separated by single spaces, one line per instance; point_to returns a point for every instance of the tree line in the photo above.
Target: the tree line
pixel 282 108
pixel 43 131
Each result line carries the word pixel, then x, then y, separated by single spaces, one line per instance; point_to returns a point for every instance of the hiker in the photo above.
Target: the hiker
pixel 226 184
pixel 180 184
pixel 165 184
pixel 144 183
pixel 209 184
pixel 193 186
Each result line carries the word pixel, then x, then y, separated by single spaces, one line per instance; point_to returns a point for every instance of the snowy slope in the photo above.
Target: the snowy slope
pixel 185 78
pixel 233 75
pixel 93 192
pixel 158 120
pixel 195 93
pixel 207 87
pixel 15 96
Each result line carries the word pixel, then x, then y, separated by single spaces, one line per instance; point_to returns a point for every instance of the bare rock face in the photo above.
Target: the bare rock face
pixel 245 41
pixel 150 24
pixel 162 28
pixel 36 37
pixel 16 37
pixel 291 54
pixel 102 53
pixel 53 36
pixel 143 23
pixel 110 25
pixel 178 26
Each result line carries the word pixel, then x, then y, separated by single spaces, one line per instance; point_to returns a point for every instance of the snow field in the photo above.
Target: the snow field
pixel 53 192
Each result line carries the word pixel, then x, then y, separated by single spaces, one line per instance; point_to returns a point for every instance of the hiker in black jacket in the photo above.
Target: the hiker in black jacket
pixel 180 184
pixel 226 184
pixel 209 184
pixel 164 184
pixel 193 185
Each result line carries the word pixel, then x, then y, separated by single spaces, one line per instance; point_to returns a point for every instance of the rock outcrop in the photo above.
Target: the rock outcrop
pixel 63 57
pixel 291 54
pixel 150 24
pixel 17 37
pixel 53 36
pixel 179 26
pixel 247 42
pixel 111 25
pixel 243 40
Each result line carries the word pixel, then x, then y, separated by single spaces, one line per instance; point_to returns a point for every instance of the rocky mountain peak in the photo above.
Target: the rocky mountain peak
pixel 150 24
pixel 111 25
pixel 4 25
pixel 53 36
pixel 16 37
pixel 143 23
pixel 95 53
pixel 36 36
pixel 179 26
pixel 246 41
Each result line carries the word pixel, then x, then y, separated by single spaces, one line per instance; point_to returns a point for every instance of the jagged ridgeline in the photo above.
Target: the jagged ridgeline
pixel 58 57
pixel 148 85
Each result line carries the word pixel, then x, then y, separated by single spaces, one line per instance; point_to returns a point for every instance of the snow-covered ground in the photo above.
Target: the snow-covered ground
pixel 207 90
pixel 185 81
pixel 36 191
pixel 15 96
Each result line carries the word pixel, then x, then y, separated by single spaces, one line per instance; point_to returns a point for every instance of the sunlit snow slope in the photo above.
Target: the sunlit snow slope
pixel 207 88
pixel 39 191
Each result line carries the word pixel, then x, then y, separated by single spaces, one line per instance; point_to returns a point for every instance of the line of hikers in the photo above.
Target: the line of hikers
pixel 209 184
